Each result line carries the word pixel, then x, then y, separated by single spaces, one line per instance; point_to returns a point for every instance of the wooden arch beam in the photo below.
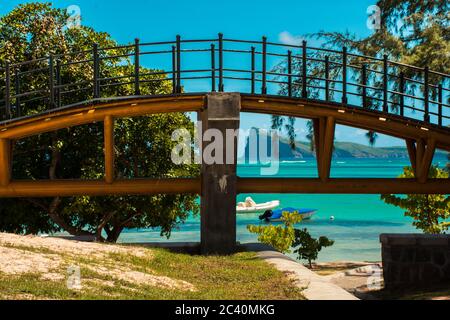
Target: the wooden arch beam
pixel 324 140
pixel 421 153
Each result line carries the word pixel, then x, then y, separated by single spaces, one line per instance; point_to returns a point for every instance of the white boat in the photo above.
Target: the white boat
pixel 250 206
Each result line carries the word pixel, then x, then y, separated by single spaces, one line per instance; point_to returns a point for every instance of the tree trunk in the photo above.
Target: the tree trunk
pixel 101 226
pixel 56 218
pixel 53 211
pixel 114 234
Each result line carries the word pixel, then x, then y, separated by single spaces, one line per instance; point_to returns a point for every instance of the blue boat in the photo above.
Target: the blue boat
pixel 276 215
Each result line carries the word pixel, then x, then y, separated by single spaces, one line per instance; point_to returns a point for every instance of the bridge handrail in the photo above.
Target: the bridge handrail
pixel 309 73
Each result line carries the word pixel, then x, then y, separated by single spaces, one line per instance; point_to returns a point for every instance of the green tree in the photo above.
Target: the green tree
pixel 283 237
pixel 308 248
pixel 412 32
pixel 280 237
pixel 429 211
pixel 143 144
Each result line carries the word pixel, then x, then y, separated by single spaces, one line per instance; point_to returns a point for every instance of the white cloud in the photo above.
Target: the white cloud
pixel 288 38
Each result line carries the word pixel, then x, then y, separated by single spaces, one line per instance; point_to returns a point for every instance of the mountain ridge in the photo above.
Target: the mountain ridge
pixel 342 149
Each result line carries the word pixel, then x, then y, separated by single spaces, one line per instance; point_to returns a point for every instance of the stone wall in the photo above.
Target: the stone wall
pixel 415 260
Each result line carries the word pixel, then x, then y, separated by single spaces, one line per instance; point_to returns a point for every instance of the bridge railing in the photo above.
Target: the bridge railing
pixel 256 67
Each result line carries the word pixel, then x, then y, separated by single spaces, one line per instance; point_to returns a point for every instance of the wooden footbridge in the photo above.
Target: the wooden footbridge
pixel 329 87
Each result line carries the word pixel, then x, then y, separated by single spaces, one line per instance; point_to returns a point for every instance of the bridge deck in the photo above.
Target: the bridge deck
pixel 327 86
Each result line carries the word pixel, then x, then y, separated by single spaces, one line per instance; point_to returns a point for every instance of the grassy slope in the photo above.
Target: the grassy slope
pixel 240 276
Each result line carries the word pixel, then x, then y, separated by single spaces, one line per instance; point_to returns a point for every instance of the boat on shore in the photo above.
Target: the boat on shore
pixel 250 206
pixel 277 215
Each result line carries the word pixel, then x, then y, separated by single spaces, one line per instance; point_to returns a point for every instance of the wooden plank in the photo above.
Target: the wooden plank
pixel 427 160
pixel 317 125
pixel 420 150
pixel 343 186
pixel 395 126
pixel 5 161
pixel 327 150
pixel 411 146
pixel 65 188
pixel 108 134
pixel 60 119
pixel 244 185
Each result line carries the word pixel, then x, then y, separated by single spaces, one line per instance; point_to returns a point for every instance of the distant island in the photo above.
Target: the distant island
pixel 341 150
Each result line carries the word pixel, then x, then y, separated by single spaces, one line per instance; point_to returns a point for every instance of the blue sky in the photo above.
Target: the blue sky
pixel 280 21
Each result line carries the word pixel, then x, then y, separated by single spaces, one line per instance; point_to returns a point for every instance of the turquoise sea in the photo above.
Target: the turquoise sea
pixel 359 219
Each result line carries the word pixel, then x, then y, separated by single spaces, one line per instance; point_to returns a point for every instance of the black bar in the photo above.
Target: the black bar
pixel 96 71
pixel 51 82
pixel 213 67
pixel 327 78
pixel 17 90
pixel 402 93
pixel 304 66
pixel 8 90
pixel 440 104
pixel 253 70
pixel 289 70
pixel 137 90
pixel 174 67
pixel 385 83
pixel 178 44
pixel 344 75
pixel 264 65
pixel 364 83
pixel 221 87
pixel 58 82
pixel 426 93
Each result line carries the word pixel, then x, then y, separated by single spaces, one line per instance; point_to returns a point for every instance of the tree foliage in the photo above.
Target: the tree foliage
pixel 430 212
pixel 412 32
pixel 285 236
pixel 281 236
pixel 308 248
pixel 142 145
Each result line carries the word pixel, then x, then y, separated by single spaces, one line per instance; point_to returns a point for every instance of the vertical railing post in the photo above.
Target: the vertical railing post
pixel 58 83
pixel 440 104
pixel 174 70
pixel 426 94
pixel 5 162
pixel 108 136
pixel 289 71
pixel 213 67
pixel 8 90
pixel 178 44
pixel 17 90
pixel 327 78
pixel 364 85
pixel 96 71
pixel 344 75
pixel 51 83
pixel 304 75
pixel 402 94
pixel 253 62
pixel 385 83
pixel 221 86
pixel 264 65
pixel 137 90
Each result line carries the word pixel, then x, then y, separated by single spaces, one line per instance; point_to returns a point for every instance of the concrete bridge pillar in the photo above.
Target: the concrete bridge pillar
pixel 218 198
